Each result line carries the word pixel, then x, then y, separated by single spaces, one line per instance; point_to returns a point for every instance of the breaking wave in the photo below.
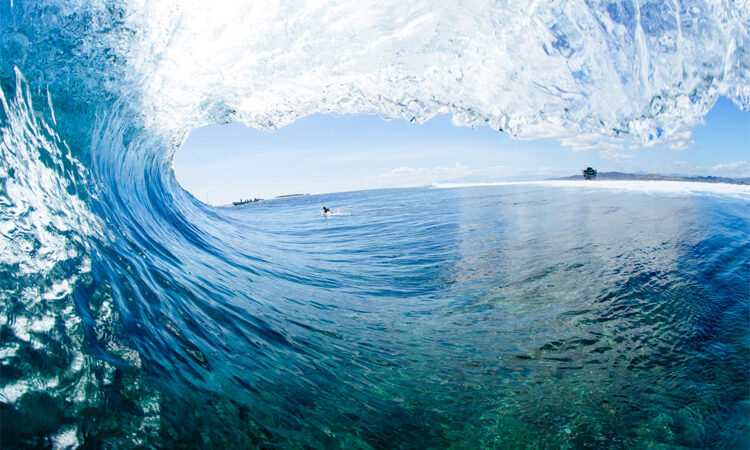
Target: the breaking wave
pixel 680 188
pixel 134 314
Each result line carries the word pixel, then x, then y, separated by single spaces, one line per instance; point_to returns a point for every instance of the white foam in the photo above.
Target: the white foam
pixel 645 186
pixel 584 73
pixel 66 438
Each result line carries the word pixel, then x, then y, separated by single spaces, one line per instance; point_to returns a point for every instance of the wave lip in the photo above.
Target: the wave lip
pixel 594 75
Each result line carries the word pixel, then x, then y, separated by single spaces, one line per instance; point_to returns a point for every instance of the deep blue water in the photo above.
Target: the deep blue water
pixel 510 316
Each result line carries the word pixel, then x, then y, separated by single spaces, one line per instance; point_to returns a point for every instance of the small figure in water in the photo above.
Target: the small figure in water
pixel 326 211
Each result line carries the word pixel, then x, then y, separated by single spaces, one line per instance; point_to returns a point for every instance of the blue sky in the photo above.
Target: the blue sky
pixel 329 153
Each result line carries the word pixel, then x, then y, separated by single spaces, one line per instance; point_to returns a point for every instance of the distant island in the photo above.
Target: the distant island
pixel 657 177
pixel 246 201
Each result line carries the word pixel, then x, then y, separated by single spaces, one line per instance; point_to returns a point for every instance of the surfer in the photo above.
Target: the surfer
pixel 326 211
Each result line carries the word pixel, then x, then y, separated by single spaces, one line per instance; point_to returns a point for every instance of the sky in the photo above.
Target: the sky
pixel 219 164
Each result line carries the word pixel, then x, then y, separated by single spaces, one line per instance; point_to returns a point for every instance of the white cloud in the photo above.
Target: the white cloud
pixel 615 156
pixel 681 145
pixel 736 169
pixel 680 140
pixel 424 176
pixel 684 165
pixel 591 142
pixel 734 165
pixel 608 149
pixel 739 169
pixel 420 176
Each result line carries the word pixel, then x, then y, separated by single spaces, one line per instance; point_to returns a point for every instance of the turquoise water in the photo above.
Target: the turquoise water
pixel 514 316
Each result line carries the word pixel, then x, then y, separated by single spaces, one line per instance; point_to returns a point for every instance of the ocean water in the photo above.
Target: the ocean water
pixel 526 315
pixel 506 316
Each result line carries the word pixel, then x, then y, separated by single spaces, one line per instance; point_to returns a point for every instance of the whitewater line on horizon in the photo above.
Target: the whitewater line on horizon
pixel 645 186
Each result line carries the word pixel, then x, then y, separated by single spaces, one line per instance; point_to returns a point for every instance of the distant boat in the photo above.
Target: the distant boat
pixel 246 201
pixel 589 173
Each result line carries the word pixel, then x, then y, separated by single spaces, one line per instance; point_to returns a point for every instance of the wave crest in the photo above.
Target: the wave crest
pixel 587 73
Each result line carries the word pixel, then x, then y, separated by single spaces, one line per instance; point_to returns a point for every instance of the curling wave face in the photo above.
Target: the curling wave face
pixel 134 314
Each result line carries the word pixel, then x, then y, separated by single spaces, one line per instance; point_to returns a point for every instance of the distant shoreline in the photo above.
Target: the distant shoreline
pixel 657 177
